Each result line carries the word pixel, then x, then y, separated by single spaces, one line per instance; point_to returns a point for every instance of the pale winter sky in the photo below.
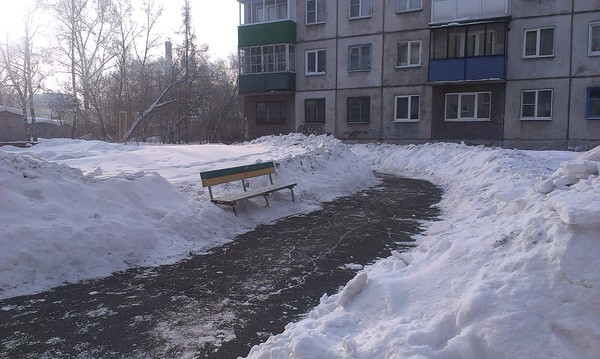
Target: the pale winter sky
pixel 215 22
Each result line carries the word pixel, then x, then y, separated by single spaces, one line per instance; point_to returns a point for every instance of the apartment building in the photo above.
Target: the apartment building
pixel 522 74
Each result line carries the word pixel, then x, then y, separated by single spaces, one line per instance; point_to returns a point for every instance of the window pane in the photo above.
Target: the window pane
pixel 495 39
pixel 403 54
pixel 415 53
pixel 311 11
pixel 354 58
pixel 414 107
pixel 365 60
pixel 365 109
pixel 310 113
pixel 467 106
pixel 595 38
pixel 456 42
pixel 528 104
pixel 366 8
pixel 402 5
pixel 320 110
pixel 438 50
pixel 261 112
pixel 452 106
pixel 320 10
pixel 414 4
pixel 354 8
pixel 546 42
pixel 530 43
pixel 311 61
pixel 476 40
pixel 401 108
pixel 544 103
pixel 483 105
pixel 358 109
pixel 594 101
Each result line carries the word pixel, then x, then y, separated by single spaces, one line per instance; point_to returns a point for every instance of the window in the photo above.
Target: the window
pixel 469 106
pixel 314 110
pixel 407 108
pixel 268 58
pixel 469 41
pixel 257 11
pixel 359 58
pixel 539 42
pixel 360 8
pixel 409 54
pixel 408 5
pixel 593 103
pixel 270 113
pixel 594 39
pixel 315 11
pixel 536 104
pixel 314 62
pixel 359 109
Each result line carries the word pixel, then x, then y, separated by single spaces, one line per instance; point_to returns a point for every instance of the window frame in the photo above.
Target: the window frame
pixel 361 5
pixel 409 53
pixel 409 108
pixel 316 64
pixel 281 111
pixel 368 107
pixel 588 103
pixel 361 67
pixel 316 12
pixel 537 104
pixel 475 117
pixel 590 38
pixel 538 41
pixel 317 103
pixel 407 9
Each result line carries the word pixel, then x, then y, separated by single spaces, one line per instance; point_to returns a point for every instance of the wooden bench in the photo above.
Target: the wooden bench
pixel 241 173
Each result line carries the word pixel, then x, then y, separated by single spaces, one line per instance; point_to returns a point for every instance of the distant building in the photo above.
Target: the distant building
pixel 495 72
pixel 12 128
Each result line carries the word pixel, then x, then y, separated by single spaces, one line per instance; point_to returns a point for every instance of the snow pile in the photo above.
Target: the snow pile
pixel 73 210
pixel 506 274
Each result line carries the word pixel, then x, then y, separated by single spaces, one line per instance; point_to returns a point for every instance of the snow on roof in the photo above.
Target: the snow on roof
pixel 16 111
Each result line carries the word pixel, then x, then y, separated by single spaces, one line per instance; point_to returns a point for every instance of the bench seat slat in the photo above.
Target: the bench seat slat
pixel 234 198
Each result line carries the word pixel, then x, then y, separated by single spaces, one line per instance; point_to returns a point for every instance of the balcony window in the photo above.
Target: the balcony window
pixel 594 39
pixel 314 110
pixel 407 108
pixel 315 62
pixel 258 11
pixel 359 109
pixel 468 41
pixel 315 11
pixel 359 58
pixel 536 104
pixel 539 43
pixel 409 54
pixel 408 5
pixel 270 113
pixel 469 106
pixel 267 59
pixel 360 8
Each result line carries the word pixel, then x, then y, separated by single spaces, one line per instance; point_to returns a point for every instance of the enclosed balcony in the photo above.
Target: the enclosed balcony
pixel 264 22
pixel 267 68
pixel 447 11
pixel 474 52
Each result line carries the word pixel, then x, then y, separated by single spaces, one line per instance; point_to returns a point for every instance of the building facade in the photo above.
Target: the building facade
pixel 510 73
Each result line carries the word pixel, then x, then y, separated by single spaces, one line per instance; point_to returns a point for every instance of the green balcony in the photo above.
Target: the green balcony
pixel 267 33
pixel 269 82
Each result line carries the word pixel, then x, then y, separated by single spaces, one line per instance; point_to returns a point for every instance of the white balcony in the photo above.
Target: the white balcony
pixel 261 11
pixel 443 11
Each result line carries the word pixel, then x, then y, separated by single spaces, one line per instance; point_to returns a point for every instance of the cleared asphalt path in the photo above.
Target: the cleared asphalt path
pixel 220 304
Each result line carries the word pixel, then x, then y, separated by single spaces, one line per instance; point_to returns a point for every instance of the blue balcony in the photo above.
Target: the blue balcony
pixel 468 69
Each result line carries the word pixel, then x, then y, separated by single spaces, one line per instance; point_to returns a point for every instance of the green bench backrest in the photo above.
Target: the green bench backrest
pixel 211 178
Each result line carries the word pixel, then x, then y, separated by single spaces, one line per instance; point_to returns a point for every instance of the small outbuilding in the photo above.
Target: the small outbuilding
pixel 12 128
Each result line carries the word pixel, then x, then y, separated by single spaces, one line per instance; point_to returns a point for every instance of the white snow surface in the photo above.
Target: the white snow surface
pixel 510 270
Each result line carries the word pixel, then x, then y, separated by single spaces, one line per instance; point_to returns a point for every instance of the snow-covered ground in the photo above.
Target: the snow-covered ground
pixel 510 272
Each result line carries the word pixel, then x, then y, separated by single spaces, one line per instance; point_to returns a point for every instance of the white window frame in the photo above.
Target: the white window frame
pixel 409 99
pixel 319 4
pixel 592 52
pixel 406 6
pixel 538 42
pixel 317 53
pixel 536 104
pixel 365 9
pixel 409 53
pixel 459 117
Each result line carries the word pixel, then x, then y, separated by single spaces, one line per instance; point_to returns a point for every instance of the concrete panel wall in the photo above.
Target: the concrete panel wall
pixel 330 108
pixel 535 68
pixel 358 131
pixel 583 64
pixel 401 21
pixel 312 32
pixel 393 76
pixel 356 79
pixel 316 82
pixel 545 131
pixel 398 131
pixel 580 128
pixel 528 8
pixel 362 26
pixel 586 5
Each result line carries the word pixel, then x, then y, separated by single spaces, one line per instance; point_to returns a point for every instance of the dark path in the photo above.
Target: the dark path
pixel 219 305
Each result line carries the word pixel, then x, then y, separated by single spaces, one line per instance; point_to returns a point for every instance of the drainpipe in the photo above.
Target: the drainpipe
pixel 381 102
pixel 568 139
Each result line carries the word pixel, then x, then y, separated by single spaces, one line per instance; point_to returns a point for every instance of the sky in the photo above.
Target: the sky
pixel 215 22
pixel 510 269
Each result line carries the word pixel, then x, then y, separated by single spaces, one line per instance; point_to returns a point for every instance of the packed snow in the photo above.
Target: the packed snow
pixel 510 270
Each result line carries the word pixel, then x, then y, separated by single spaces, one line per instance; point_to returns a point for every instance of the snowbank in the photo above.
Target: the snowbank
pixel 511 271
pixel 73 210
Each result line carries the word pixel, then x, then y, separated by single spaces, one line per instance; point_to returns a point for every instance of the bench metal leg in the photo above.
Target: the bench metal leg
pixel 234 211
pixel 292 190
pixel 266 199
